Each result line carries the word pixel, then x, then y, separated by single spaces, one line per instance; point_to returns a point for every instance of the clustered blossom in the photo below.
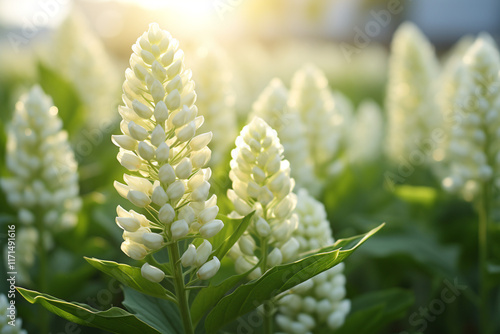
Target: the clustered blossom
pixel 5 327
pixel 272 106
pixel 44 182
pixel 324 115
pixel 319 301
pixel 473 153
pixel 364 142
pixel 261 182
pixel 81 58
pixel 411 103
pixel 166 158
pixel 215 100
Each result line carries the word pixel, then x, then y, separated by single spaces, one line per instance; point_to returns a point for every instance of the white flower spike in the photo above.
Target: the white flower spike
pixel 160 145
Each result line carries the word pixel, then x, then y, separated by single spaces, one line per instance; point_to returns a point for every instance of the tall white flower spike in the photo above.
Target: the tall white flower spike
pixel 411 101
pixel 216 99
pixel 324 115
pixel 165 155
pixel 43 185
pixel 472 153
pixel 319 301
pixel 272 106
pixel 364 142
pixel 261 182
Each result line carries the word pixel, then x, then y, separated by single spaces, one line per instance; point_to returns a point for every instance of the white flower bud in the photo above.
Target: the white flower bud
pixel 142 110
pixel 242 265
pixel 209 269
pixel 182 117
pixel 189 256
pixel 152 240
pixel 161 112
pixel 208 214
pixel 134 250
pixel 187 132
pixel 211 229
pixel 166 174
pixel 201 193
pixel 137 132
pixel 201 157
pixel 130 161
pixel 262 227
pixel 203 252
pixel 258 174
pixel 159 196
pixel 146 151
pixel 138 198
pixel 125 142
pixel 285 207
pixel 138 183
pixel 200 141
pixel 176 190
pixel 187 213
pixel 166 214
pixel 157 91
pixel 184 168
pixel 274 258
pixel 179 229
pixel 158 136
pixel 290 249
pixel 247 244
pixel 121 189
pixel 151 273
pixel 162 152
pixel 129 224
pixel 173 100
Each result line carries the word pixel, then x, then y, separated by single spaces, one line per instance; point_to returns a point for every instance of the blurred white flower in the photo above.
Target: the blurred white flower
pixel 319 301
pixel 272 106
pixel 216 99
pixel 159 145
pixel 411 93
pixel 261 182
pixel 43 185
pixel 364 142
pixel 81 58
pixel 325 115
pixel 473 112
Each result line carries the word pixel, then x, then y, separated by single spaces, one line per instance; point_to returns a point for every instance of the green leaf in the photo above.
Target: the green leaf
pixel 115 320
pixel 229 235
pixel 210 295
pixel 371 312
pixel 159 313
pixel 279 279
pixel 131 277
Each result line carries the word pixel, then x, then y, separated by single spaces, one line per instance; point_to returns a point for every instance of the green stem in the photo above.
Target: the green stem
pixel 483 212
pixel 42 276
pixel 180 288
pixel 269 304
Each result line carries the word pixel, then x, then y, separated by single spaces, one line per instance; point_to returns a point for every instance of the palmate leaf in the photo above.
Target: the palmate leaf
pixel 114 320
pixel 131 277
pixel 279 279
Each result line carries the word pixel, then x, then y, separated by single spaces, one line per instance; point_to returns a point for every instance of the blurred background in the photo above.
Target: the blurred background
pixel 78 52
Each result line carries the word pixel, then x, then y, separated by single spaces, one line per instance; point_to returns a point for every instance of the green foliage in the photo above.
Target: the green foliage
pixel 280 279
pixel 115 320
